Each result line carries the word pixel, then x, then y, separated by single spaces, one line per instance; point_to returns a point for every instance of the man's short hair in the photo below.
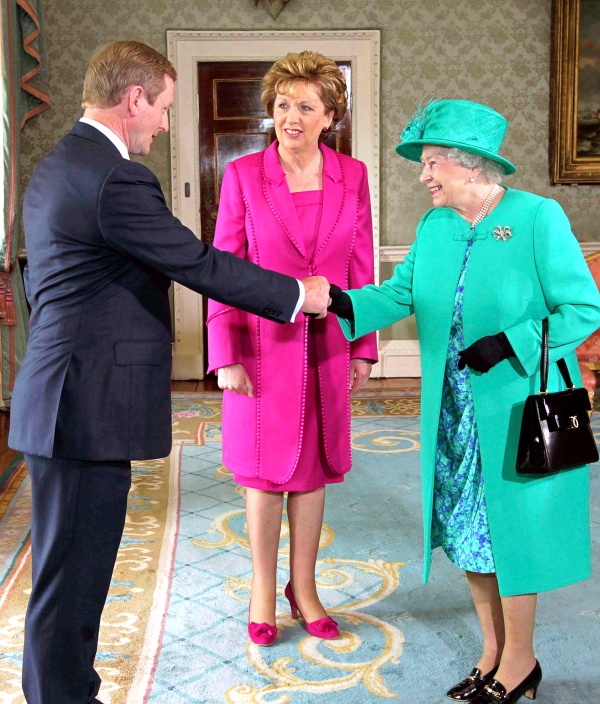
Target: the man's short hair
pixel 119 65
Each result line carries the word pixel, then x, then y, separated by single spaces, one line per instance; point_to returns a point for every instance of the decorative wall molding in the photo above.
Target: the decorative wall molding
pixel 185 50
pixel 399 358
pixel 393 253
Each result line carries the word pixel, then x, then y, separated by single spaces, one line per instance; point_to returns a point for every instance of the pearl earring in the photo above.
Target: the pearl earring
pixel 472 179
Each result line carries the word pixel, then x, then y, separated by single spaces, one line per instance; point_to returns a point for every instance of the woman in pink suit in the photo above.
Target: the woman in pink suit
pixel 300 208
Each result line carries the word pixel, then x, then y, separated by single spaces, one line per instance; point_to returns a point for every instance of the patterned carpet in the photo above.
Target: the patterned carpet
pixel 174 630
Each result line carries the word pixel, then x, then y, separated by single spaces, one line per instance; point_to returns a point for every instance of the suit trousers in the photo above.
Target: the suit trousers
pixel 78 515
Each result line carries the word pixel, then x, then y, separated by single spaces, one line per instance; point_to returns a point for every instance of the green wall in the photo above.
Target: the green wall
pixel 493 52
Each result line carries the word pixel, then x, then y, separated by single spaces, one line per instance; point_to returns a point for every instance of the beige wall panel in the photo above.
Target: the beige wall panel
pixel 494 52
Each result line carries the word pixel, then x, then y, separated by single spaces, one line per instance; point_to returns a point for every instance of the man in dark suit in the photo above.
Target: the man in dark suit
pixel 94 388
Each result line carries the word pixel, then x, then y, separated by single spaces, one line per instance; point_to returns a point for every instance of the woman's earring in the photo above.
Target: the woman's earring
pixel 472 179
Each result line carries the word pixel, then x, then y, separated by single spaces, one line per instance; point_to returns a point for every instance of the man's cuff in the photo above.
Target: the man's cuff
pixel 300 301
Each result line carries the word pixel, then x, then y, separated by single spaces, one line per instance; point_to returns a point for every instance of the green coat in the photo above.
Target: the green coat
pixel 539 526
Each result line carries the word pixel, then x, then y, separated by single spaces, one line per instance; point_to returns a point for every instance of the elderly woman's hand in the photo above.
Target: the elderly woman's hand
pixel 340 303
pixel 234 378
pixel 484 354
pixel 360 371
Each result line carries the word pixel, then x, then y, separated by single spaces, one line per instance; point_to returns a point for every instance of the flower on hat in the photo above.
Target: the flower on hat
pixel 416 126
pixel 414 130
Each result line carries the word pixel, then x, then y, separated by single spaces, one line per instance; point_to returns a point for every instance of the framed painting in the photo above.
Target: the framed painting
pixel 575 92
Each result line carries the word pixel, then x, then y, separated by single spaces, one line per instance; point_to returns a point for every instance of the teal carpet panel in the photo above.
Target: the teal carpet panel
pixel 400 640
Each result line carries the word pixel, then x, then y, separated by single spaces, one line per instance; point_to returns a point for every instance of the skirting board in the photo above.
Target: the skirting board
pixel 399 358
pixel 187 366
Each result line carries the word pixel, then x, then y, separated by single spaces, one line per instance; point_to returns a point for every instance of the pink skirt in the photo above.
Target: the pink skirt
pixel 312 471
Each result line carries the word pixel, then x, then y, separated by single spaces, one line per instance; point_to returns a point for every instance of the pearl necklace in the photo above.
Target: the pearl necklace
pixel 486 206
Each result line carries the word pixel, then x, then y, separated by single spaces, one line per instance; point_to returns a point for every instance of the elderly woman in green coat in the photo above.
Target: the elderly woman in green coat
pixel 488 264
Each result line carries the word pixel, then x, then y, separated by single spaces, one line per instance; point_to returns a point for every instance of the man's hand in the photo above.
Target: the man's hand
pixel 317 296
pixel 234 378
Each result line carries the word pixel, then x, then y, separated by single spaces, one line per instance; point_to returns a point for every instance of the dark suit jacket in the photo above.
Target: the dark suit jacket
pixel 102 246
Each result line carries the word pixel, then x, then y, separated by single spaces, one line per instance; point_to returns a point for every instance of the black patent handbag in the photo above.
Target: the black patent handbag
pixel 555 431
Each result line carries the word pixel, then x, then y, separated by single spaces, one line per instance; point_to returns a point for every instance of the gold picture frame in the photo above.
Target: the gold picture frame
pixel 574 102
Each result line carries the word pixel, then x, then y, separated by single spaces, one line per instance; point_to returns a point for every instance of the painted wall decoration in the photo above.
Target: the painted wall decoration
pixel 575 92
pixel 588 109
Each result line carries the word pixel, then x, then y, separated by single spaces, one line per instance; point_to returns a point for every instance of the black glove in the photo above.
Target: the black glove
pixel 341 303
pixel 485 353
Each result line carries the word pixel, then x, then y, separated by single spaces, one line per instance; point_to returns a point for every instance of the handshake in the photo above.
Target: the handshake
pixel 317 296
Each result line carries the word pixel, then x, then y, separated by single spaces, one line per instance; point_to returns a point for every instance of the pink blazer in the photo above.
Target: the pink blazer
pixel 262 436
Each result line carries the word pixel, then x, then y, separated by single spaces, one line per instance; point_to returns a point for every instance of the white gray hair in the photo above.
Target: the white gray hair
pixel 490 169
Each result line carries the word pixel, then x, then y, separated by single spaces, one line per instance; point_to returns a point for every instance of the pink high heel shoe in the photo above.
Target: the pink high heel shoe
pixel 324 627
pixel 262 633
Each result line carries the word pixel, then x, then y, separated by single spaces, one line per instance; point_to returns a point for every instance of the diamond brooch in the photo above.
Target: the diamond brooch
pixel 502 233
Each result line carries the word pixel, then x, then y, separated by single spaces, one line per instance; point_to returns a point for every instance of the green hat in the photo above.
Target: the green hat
pixel 456 123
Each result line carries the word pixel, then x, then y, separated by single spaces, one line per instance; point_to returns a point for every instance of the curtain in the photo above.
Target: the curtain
pixel 24 95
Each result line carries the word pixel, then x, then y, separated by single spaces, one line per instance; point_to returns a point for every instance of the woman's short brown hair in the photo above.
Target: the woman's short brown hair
pixel 116 66
pixel 307 67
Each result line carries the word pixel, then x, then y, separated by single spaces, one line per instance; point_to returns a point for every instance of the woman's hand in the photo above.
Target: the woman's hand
pixel 234 378
pixel 360 371
pixel 485 353
pixel 340 303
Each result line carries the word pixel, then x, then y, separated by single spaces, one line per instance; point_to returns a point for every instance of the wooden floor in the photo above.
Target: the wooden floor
pixel 210 384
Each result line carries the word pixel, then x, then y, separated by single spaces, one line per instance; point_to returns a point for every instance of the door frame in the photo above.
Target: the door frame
pixel 185 50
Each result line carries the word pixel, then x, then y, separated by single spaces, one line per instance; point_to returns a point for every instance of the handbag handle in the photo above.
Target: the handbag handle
pixel 562 365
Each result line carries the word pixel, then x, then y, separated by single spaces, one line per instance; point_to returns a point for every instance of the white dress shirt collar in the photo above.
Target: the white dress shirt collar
pixel 117 141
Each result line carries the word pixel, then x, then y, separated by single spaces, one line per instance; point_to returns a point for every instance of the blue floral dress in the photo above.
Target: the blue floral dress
pixel 460 524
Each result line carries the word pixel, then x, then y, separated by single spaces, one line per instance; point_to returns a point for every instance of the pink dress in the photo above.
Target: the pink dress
pixel 265 436
pixel 312 470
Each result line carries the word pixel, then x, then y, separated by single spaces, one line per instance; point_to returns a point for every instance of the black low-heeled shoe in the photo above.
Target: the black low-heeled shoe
pixel 466 690
pixel 495 692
